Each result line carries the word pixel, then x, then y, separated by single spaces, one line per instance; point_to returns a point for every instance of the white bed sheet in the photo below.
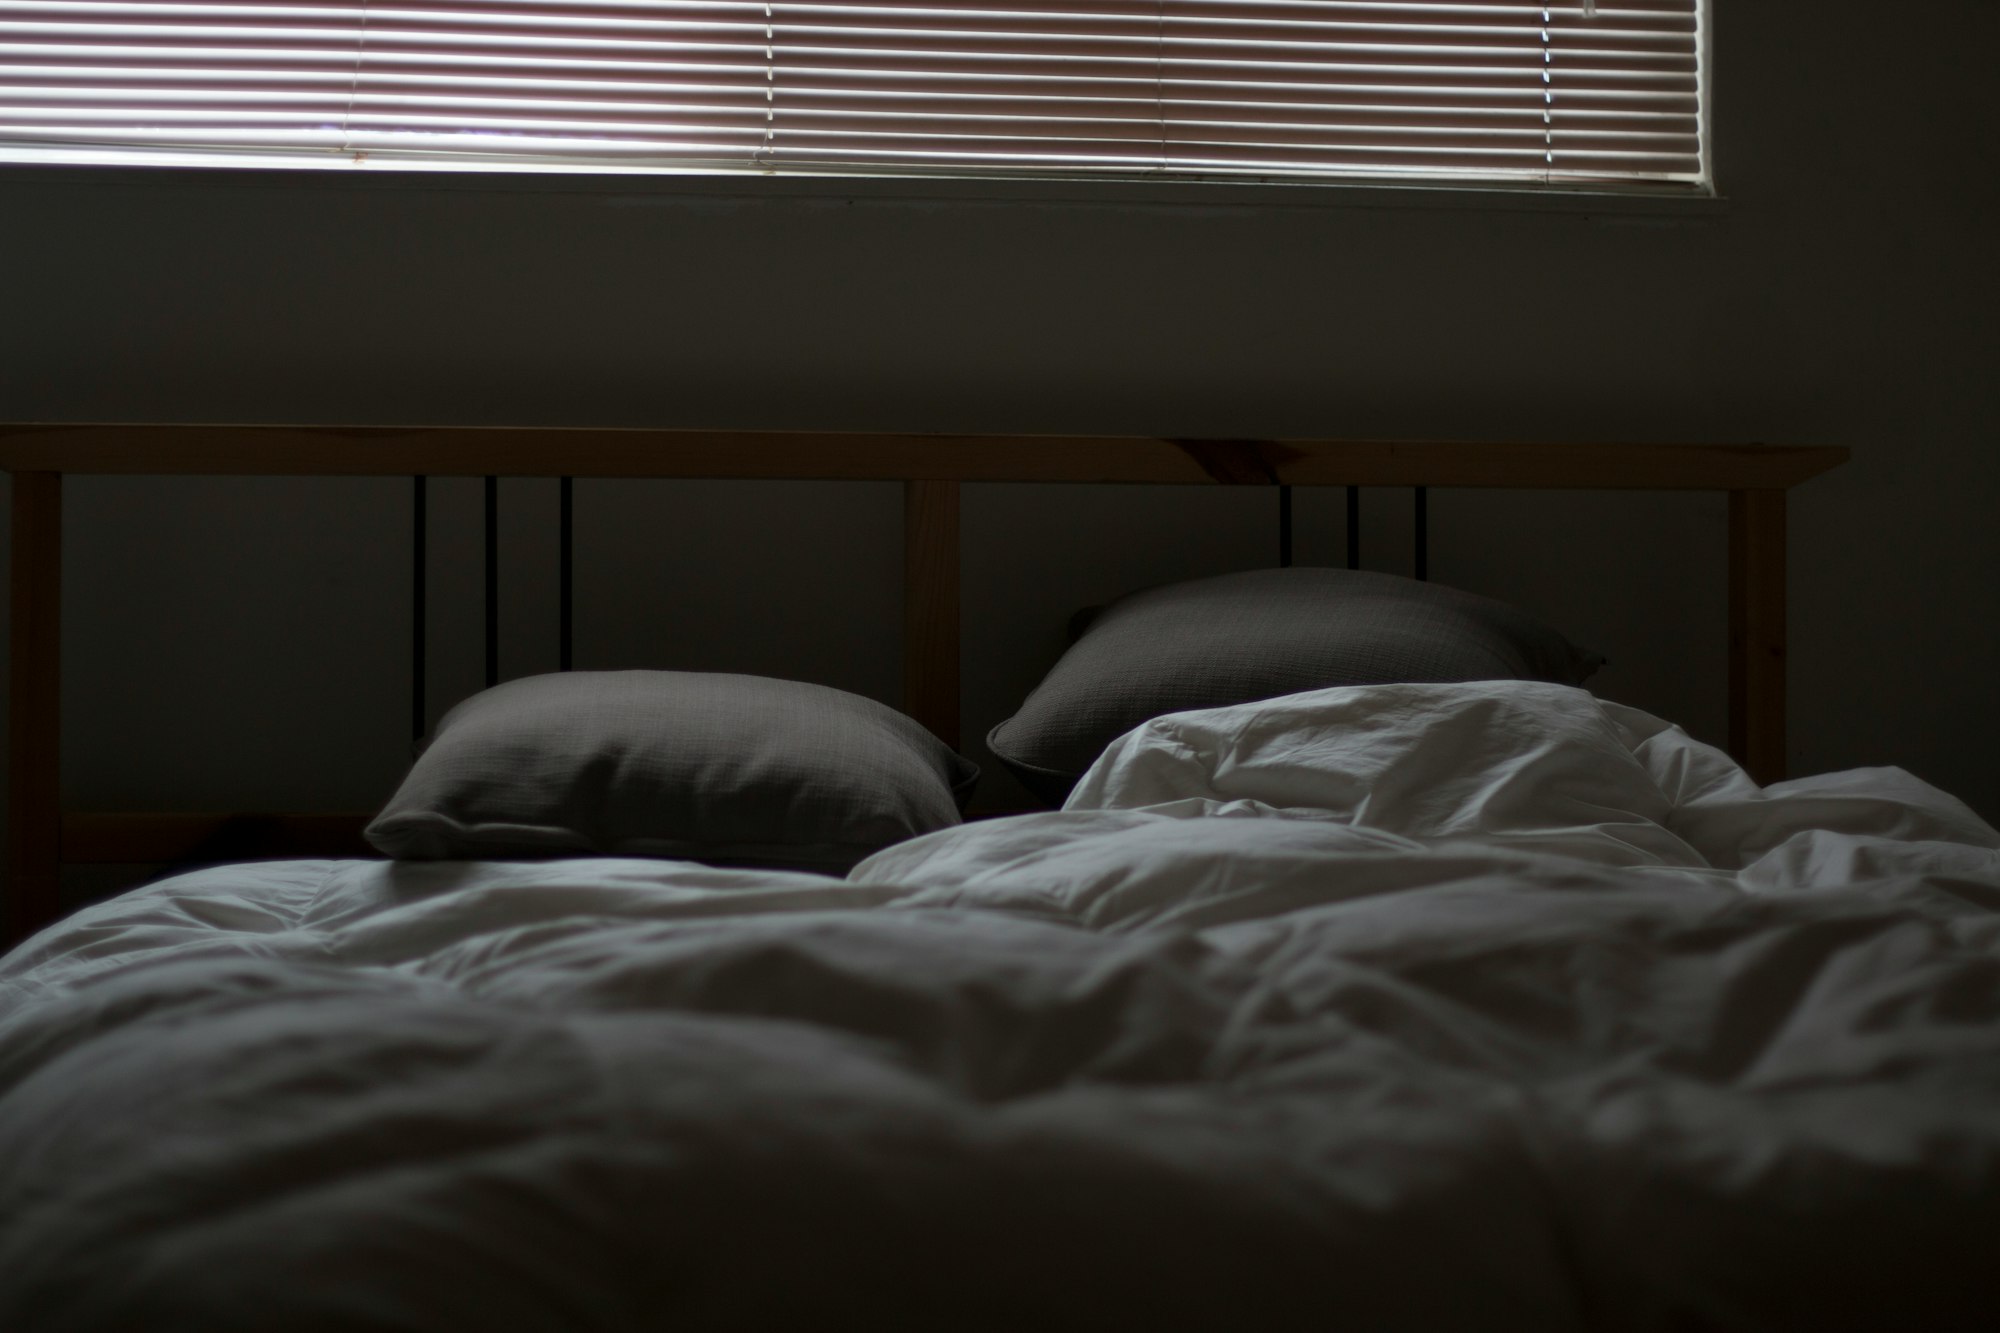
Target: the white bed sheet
pixel 1422 1007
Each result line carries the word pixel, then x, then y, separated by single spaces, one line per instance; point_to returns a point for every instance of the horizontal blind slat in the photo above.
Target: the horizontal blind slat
pixel 1306 87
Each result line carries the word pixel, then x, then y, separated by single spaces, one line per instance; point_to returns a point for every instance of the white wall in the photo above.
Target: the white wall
pixel 242 642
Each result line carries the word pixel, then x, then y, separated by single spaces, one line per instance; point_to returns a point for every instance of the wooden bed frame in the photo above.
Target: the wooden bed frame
pixel 931 468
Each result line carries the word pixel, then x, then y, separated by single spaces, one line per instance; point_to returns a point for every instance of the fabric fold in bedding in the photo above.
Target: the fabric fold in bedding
pixel 1426 1008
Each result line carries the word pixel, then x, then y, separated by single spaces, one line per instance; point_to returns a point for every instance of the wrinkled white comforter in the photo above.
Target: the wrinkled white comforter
pixel 1415 1007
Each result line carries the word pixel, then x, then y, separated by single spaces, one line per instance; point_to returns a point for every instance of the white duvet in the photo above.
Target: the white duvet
pixel 1419 1007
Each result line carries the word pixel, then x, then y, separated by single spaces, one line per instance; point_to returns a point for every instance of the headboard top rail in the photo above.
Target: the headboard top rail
pixel 250 450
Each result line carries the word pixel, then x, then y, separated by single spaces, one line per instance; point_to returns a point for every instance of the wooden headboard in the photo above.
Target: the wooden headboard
pixel 931 468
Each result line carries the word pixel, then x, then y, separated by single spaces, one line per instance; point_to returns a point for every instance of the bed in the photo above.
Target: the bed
pixel 1416 1005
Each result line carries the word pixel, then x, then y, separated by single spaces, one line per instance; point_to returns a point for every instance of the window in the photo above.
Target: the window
pixel 1604 94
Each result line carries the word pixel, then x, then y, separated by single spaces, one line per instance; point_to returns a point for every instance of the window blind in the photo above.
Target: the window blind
pixel 1608 92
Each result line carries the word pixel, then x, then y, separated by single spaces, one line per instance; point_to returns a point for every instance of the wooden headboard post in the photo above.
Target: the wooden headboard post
pixel 931 605
pixel 1757 631
pixel 932 469
pixel 34 694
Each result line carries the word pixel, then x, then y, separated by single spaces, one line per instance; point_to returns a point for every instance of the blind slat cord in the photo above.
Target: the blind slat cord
pixel 354 86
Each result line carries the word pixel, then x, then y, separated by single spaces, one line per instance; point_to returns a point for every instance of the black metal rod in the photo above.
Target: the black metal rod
pixel 1284 527
pixel 1422 554
pixel 1354 527
pixel 492 581
pixel 419 548
pixel 565 574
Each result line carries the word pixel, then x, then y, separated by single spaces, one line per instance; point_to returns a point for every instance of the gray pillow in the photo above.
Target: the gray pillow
pixel 1258 635
pixel 730 770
